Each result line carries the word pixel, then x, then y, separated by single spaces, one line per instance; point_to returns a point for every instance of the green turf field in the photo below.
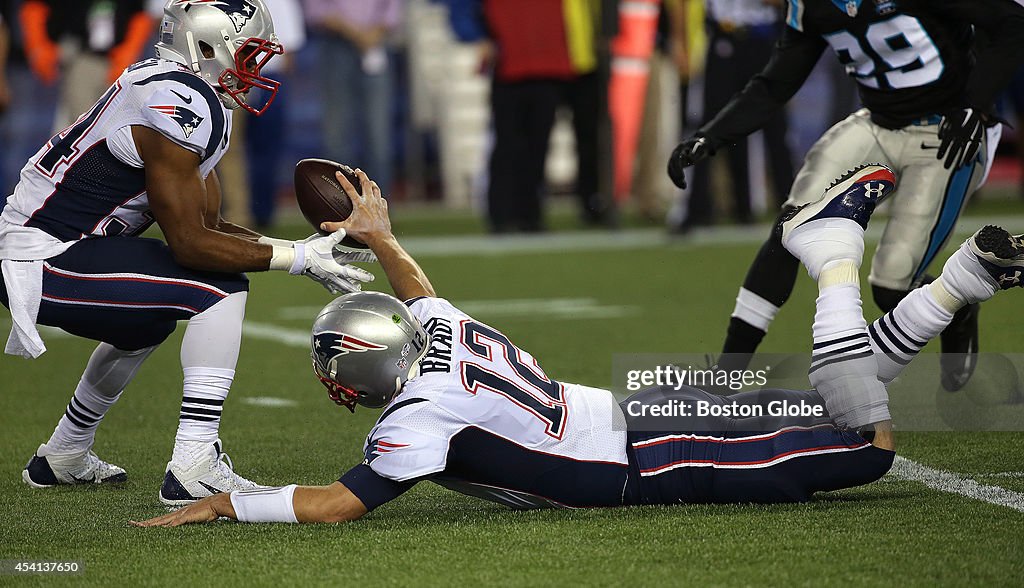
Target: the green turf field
pixel 573 300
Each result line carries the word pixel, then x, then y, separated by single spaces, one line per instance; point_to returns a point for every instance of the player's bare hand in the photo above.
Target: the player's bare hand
pixel 369 219
pixel 202 511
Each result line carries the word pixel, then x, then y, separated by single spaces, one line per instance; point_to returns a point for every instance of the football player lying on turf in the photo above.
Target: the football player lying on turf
pixel 72 258
pixel 469 410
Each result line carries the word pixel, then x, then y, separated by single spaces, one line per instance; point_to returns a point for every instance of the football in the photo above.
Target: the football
pixel 320 196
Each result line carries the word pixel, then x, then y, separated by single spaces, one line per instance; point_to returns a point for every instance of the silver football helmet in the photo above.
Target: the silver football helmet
pixel 226 42
pixel 366 345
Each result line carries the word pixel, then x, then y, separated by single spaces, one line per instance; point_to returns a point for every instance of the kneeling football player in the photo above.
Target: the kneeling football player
pixel 468 409
pixel 72 255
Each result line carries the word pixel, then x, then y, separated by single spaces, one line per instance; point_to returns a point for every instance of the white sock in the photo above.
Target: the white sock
pixel 108 372
pixel 964 279
pixel 843 368
pixel 822 241
pixel 899 335
pixel 209 352
pixel 754 310
pixel 202 403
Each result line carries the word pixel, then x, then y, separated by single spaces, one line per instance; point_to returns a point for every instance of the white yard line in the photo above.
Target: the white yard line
pixel 546 308
pixel 539 308
pixel 269 401
pixel 905 469
pixel 268 332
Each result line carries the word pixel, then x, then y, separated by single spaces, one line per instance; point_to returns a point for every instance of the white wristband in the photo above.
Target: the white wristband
pixel 299 262
pixel 265 240
pixel 264 505
pixel 282 258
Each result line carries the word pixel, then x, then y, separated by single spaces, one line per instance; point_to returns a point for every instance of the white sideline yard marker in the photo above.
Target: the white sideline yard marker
pixel 540 308
pixel 269 401
pixel 269 332
pixel 905 469
pixel 558 308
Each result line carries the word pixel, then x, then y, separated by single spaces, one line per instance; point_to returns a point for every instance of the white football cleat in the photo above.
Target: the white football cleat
pixel 991 260
pixel 48 468
pixel 832 228
pixel 211 472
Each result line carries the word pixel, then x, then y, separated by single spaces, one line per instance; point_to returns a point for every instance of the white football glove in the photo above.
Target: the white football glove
pixel 342 253
pixel 316 258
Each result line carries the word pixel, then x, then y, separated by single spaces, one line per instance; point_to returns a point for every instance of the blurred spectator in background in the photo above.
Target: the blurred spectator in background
pixel 741 35
pixel 543 54
pixel 5 94
pixel 265 135
pixel 649 184
pixel 583 96
pixel 5 45
pixel 85 43
pixel 358 80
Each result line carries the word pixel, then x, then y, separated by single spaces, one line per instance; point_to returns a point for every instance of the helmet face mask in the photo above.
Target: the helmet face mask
pixel 366 345
pixel 339 394
pixel 249 60
pixel 226 42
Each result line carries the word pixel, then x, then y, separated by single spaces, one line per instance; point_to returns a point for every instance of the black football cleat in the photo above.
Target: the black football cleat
pixel 960 348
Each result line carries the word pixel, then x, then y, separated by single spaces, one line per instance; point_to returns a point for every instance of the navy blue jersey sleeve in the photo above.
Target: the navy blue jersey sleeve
pixel 791 63
pixel 371 488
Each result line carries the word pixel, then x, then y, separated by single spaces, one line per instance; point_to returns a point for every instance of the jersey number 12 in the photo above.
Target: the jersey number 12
pixel 527 386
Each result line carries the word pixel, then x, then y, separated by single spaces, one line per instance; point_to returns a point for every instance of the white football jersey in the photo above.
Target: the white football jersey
pixel 484 419
pixel 88 181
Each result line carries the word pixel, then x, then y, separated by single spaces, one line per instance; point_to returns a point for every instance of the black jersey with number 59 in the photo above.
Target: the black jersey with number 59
pixel 912 59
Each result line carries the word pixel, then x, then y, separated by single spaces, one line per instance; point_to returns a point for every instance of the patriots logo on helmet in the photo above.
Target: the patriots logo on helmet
pixel 186 119
pixel 239 11
pixel 330 345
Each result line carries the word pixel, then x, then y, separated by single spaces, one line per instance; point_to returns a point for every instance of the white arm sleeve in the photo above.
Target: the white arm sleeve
pixel 264 505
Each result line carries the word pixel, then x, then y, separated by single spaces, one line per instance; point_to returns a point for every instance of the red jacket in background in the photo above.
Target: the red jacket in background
pixel 531 39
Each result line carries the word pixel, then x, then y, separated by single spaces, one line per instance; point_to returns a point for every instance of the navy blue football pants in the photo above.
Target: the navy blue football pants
pixel 763 459
pixel 125 291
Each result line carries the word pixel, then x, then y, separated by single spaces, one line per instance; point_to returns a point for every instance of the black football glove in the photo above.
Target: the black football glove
pixel 685 155
pixel 960 134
